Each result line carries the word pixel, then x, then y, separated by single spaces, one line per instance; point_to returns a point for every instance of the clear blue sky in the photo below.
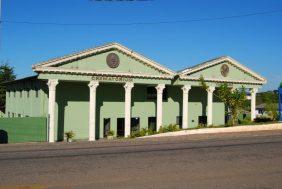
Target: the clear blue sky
pixel 254 41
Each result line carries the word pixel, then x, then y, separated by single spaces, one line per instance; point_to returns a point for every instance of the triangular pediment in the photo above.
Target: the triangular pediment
pixel 98 61
pixel 223 69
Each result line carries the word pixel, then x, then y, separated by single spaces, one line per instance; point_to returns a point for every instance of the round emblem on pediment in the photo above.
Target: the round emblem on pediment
pixel 224 70
pixel 113 60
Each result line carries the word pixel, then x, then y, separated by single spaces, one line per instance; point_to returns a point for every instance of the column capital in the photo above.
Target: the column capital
pixel 254 90
pixel 93 84
pixel 160 88
pixel 128 86
pixel 52 83
pixel 186 88
pixel 210 89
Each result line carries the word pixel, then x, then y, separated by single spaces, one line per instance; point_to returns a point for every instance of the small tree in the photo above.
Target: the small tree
pixel 234 100
pixel 271 104
pixel 6 74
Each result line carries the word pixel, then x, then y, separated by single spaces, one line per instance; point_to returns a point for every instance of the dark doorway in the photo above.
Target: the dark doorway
pixel 179 121
pixel 107 126
pixel 120 127
pixel 152 123
pixel 135 124
pixel 3 137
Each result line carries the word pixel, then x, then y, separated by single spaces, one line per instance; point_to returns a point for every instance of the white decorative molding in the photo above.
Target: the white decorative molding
pixel 92 73
pixel 187 78
pixel 105 48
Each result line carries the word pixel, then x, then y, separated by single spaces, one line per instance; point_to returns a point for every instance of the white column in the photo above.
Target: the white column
pixel 127 108
pixel 253 103
pixel 185 108
pixel 160 89
pixel 52 83
pixel 210 91
pixel 92 109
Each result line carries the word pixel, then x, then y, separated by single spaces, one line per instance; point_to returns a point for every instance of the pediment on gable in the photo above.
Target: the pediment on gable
pixel 223 69
pixel 110 59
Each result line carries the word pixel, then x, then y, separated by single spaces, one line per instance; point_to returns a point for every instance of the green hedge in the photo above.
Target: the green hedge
pixel 27 129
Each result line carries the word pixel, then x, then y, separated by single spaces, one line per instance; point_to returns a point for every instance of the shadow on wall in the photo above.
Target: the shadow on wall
pixel 3 137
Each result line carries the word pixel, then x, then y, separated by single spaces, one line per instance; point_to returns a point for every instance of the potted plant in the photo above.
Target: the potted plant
pixel 110 135
pixel 69 135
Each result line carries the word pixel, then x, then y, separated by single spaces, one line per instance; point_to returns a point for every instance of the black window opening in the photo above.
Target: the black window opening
pixel 179 121
pixel 120 127
pixel 202 120
pixel 21 94
pixel 152 93
pixel 27 94
pixel 135 124
pixel 107 126
pixel 152 123
pixel 14 94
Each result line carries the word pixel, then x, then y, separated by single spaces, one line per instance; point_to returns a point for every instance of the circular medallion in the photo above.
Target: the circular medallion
pixel 113 60
pixel 224 70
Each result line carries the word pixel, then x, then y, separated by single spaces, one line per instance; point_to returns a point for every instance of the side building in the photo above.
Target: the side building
pixel 114 88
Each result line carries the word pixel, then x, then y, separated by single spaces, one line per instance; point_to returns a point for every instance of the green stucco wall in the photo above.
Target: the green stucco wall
pixel 214 72
pixel 98 63
pixel 32 129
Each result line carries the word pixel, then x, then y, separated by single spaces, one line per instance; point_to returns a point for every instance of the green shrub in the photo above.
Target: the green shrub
pixel 169 128
pixel 111 133
pixel 262 119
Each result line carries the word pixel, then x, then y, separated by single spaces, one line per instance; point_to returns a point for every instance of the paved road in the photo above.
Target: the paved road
pixel 235 160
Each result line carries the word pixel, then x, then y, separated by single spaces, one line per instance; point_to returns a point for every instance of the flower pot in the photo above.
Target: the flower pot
pixel 110 137
pixel 69 139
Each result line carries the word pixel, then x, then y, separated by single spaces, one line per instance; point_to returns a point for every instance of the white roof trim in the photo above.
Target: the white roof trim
pixel 223 80
pixel 89 72
pixel 117 46
pixel 207 64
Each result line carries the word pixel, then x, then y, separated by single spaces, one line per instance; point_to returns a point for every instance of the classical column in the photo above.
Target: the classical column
pixel 127 108
pixel 253 103
pixel 160 89
pixel 92 109
pixel 185 90
pixel 210 91
pixel 52 83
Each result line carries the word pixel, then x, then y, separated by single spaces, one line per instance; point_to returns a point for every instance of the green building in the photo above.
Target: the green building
pixel 113 87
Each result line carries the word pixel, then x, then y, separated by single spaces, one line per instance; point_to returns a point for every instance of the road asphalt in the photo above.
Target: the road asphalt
pixel 234 160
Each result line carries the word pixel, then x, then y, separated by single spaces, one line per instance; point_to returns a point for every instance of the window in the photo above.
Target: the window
pixel 14 94
pixel 27 93
pixel 36 92
pixel 107 126
pixel 21 94
pixel 179 121
pixel 8 114
pixel 135 124
pixel 152 93
pixel 13 115
pixel 202 120
pixel 152 123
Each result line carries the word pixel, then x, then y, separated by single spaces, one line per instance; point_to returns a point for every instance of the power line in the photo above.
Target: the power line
pixel 144 23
